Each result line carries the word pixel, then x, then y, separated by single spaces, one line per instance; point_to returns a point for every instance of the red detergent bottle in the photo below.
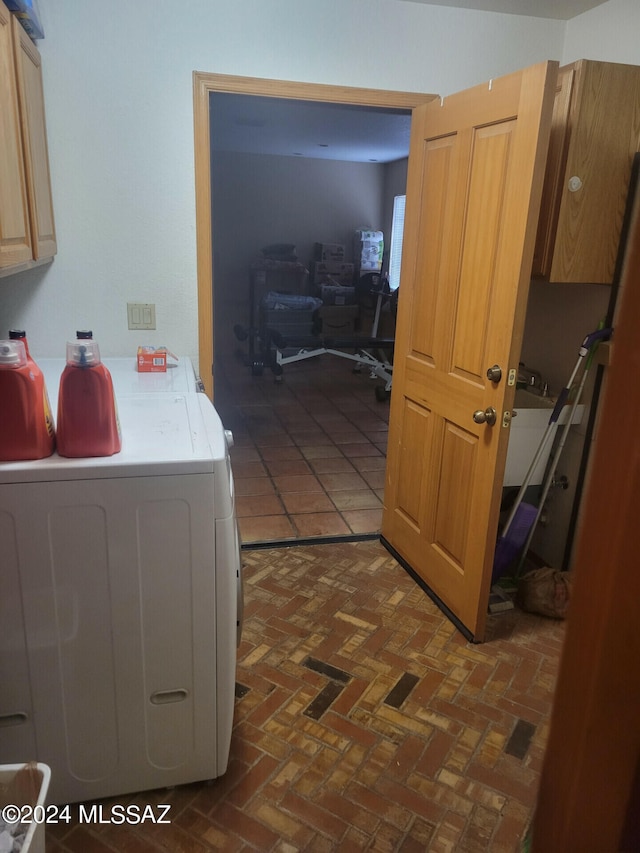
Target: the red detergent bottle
pixel 88 422
pixel 26 424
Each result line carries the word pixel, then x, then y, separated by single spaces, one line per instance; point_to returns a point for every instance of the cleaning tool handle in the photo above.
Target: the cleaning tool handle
pixel 560 403
pixel 593 337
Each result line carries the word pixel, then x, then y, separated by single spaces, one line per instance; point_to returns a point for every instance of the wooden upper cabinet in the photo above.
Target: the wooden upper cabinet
pixel 27 230
pixel 15 231
pixel 34 138
pixel 595 134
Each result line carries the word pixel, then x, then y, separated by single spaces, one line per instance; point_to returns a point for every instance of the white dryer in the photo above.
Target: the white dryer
pixel 120 604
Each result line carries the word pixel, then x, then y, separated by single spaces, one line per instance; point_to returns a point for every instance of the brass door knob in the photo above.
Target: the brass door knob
pixel 488 417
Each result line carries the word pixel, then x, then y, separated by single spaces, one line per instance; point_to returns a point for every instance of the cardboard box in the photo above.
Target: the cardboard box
pixel 328 252
pixel 368 249
pixel 153 360
pixel 337 294
pixel 333 272
pixel 338 320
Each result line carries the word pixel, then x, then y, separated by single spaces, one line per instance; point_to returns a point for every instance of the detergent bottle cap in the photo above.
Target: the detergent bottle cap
pixel 12 354
pixel 83 353
pixel 84 335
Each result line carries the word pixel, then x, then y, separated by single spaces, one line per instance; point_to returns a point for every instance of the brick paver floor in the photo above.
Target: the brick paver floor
pixel 364 721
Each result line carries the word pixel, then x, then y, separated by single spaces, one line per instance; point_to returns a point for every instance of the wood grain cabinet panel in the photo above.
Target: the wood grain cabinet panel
pixel 15 232
pixel 595 134
pixel 27 229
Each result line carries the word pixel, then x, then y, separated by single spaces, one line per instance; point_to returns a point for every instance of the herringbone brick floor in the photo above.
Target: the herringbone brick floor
pixel 364 721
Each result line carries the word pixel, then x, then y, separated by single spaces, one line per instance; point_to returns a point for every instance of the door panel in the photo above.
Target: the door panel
pixel 473 192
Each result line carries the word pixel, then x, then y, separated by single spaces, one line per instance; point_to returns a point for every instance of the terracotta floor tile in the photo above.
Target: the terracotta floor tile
pixel 375 479
pixel 308 438
pixel 298 502
pixel 289 435
pixel 253 505
pixel 341 482
pixel 332 465
pixel 351 451
pixel 248 453
pixel 248 469
pixel 276 439
pixel 254 486
pixel 273 454
pixel 265 528
pixel 363 520
pixel 301 483
pixel 288 467
pixel 370 463
pixel 354 437
pixel 320 451
pixel 320 524
pixel 356 499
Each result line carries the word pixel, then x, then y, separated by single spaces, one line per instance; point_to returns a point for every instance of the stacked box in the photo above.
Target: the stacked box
pixel 338 320
pixel 333 272
pixel 337 294
pixel 291 324
pixel 368 247
pixel 328 252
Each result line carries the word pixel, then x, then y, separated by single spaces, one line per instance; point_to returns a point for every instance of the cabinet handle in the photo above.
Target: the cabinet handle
pixel 16 719
pixel 165 697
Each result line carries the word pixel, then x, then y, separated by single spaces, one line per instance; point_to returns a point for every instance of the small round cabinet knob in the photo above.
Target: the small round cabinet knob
pixel 488 416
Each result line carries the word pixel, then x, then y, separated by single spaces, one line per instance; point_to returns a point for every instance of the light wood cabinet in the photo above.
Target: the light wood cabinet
pixel 27 229
pixel 595 133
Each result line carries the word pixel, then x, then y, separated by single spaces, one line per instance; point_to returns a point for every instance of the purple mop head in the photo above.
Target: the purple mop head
pixel 511 543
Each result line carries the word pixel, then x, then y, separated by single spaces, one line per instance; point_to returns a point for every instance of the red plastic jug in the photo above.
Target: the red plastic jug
pixel 26 425
pixel 88 422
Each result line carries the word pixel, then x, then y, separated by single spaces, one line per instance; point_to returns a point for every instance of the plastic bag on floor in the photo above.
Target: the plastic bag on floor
pixel 545 591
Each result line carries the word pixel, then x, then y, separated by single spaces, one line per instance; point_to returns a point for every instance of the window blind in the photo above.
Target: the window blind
pixel 397 232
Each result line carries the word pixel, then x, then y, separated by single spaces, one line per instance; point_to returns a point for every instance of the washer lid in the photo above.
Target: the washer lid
pixel 179 378
pixel 162 434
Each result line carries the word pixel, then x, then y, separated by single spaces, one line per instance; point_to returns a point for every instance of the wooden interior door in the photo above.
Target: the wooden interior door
pixel 476 165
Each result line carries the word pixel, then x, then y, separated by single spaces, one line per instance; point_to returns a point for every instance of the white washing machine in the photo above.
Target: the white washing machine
pixel 121 600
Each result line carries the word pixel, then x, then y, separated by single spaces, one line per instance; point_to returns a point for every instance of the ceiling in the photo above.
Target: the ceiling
pixel 259 125
pixel 562 10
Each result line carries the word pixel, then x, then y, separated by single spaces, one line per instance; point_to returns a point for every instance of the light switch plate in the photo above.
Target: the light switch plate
pixel 141 315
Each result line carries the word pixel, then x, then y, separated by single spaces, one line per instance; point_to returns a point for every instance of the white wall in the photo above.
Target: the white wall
pixel 118 92
pixel 609 33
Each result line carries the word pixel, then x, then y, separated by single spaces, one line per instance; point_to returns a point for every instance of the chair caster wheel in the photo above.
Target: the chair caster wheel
pixel 256 368
pixel 382 395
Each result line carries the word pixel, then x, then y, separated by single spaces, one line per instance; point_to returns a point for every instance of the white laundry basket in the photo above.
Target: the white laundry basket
pixel 34 841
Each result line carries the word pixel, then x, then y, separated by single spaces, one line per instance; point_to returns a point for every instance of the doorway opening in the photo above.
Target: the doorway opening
pixel 312 387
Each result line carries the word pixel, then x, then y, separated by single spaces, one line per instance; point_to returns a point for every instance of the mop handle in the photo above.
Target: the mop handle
pixel 585 347
pixel 588 346
pixel 587 343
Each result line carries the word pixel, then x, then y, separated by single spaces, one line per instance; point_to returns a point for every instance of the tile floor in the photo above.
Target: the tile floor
pixel 309 452
pixel 364 721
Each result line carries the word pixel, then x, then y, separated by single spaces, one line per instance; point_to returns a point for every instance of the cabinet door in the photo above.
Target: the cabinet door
pixel 587 191
pixel 15 235
pixel 554 174
pixel 34 134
